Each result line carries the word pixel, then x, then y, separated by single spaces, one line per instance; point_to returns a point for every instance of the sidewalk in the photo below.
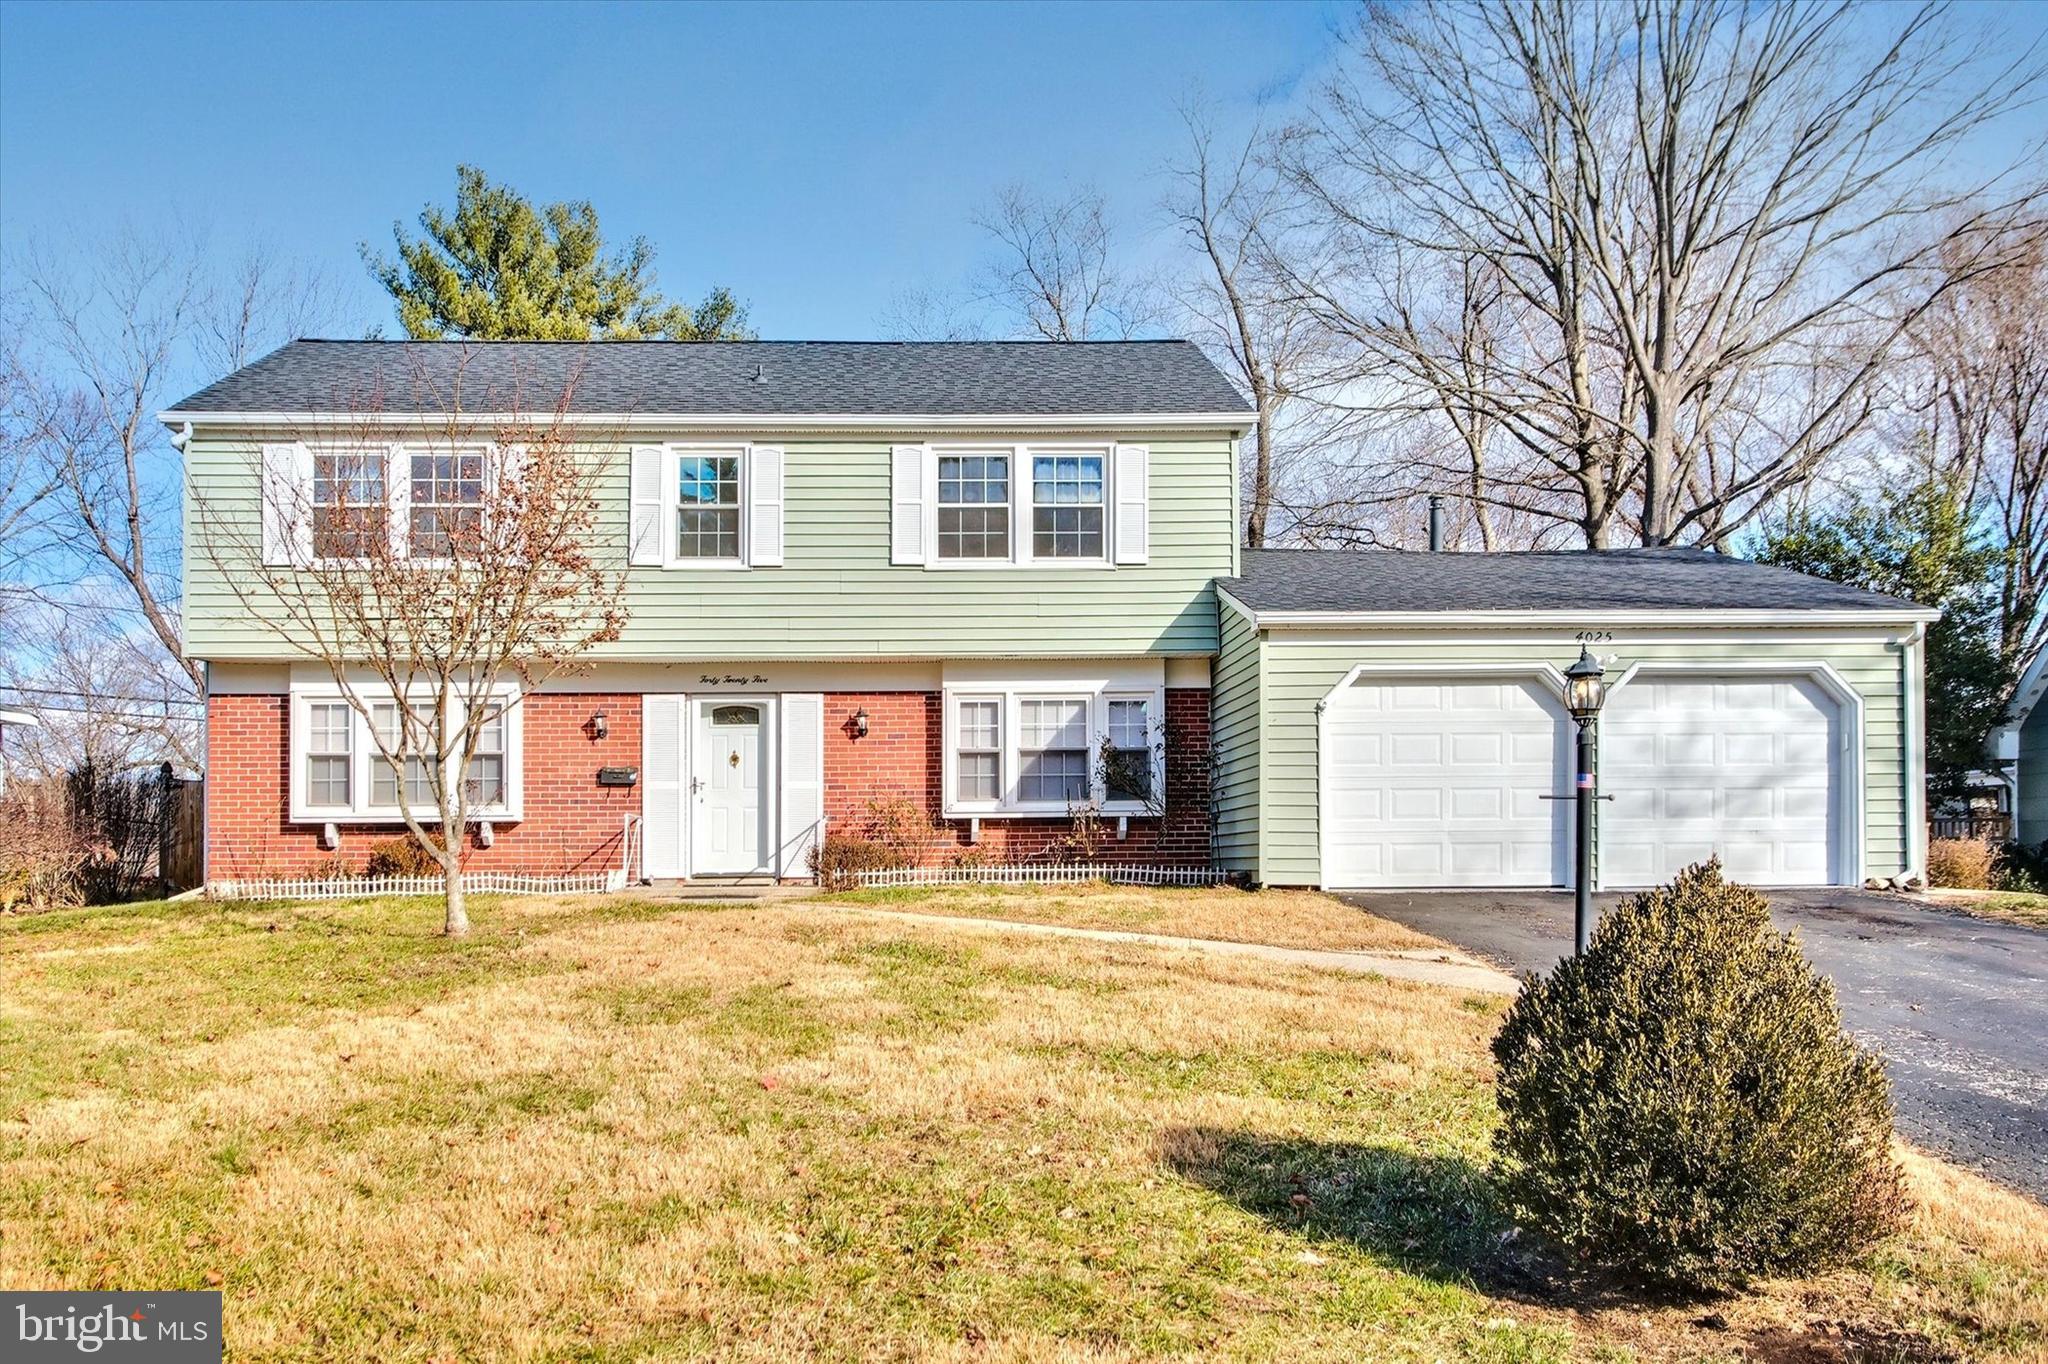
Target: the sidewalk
pixel 1453 969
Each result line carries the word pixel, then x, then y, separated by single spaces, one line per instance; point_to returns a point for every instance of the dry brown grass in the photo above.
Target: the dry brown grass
pixel 1961 863
pixel 2006 906
pixel 609 1131
pixel 1283 918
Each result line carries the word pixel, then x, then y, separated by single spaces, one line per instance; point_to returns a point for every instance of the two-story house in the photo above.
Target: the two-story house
pixel 952 572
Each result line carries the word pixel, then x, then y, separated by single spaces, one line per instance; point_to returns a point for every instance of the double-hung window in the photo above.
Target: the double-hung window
pixel 1127 750
pixel 1052 750
pixel 329 755
pixel 708 506
pixel 445 511
pixel 419 786
pixel 974 506
pixel 350 505
pixel 1066 506
pixel 485 785
pixel 979 751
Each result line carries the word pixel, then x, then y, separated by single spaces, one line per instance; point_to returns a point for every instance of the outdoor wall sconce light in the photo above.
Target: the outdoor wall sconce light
pixel 599 726
pixel 860 723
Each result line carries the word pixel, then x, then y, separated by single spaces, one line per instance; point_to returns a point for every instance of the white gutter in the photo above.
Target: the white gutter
pixel 1235 423
pixel 1580 619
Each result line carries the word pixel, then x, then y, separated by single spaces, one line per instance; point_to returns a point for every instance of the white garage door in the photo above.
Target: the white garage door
pixel 1439 782
pixel 1748 767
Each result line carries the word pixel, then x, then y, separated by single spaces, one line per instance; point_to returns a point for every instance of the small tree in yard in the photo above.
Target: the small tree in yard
pixel 1681 1104
pixel 434 623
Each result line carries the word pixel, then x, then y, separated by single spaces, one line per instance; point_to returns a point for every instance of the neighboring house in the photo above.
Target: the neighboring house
pixel 10 717
pixel 951 571
pixel 2023 743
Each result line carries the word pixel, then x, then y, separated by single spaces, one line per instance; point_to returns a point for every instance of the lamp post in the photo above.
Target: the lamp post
pixel 1584 689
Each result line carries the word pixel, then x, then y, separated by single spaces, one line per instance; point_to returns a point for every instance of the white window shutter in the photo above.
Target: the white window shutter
pixel 764 506
pixel 906 504
pixel 649 504
pixel 662 769
pixel 1133 504
pixel 504 472
pixel 803 780
pixel 287 500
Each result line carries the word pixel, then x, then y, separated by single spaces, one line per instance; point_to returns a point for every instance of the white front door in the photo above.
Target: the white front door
pixel 729 815
pixel 1747 768
pixel 1440 781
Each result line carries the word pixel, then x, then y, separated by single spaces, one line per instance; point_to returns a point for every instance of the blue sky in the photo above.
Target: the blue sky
pixel 815 159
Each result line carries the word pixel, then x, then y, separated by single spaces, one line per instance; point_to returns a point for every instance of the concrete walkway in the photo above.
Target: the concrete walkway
pixel 1430 967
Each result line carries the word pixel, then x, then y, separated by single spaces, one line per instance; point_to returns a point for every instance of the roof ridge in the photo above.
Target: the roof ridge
pixel 754 341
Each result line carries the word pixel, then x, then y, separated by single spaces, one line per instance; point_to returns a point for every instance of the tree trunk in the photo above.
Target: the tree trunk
pixel 457 922
pixel 1262 481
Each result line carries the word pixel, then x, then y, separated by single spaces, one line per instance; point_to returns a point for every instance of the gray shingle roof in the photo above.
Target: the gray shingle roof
pixel 1612 580
pixel 745 378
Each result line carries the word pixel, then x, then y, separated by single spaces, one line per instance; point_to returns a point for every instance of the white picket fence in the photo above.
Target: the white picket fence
pixel 364 887
pixel 1043 873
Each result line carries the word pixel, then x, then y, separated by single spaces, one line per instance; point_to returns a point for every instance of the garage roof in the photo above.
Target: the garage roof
pixel 742 378
pixel 1388 582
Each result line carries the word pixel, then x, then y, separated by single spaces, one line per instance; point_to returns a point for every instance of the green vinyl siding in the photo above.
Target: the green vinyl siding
pixel 836 595
pixel 1234 744
pixel 2032 810
pixel 1299 670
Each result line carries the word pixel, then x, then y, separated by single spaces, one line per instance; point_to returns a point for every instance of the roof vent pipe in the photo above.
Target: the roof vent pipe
pixel 1436 523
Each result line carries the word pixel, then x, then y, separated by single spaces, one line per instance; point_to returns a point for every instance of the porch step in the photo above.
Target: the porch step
pixel 741 889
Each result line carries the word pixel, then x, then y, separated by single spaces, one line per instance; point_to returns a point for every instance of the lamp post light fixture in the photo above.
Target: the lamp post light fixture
pixel 1585 688
pixel 860 723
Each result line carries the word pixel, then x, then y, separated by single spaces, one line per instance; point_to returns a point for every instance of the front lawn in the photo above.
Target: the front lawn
pixel 1283 918
pixel 609 1130
pixel 2012 907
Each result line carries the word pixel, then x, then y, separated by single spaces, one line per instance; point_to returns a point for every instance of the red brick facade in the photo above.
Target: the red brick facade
pixel 570 823
pixel 903 756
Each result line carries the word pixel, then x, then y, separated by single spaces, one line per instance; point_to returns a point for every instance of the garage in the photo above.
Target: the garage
pixel 1442 781
pixel 1747 767
pixel 1394 720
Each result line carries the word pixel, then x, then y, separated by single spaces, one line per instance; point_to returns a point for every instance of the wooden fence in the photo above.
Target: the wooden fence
pixel 1990 828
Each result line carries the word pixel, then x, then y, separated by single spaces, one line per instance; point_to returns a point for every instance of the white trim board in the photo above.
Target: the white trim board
pixel 1232 424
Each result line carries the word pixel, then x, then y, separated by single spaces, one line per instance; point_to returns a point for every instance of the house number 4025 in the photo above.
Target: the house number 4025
pixel 1595 636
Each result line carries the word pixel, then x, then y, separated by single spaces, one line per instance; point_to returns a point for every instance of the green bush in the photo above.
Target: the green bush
pixel 1681 1104
pixel 839 861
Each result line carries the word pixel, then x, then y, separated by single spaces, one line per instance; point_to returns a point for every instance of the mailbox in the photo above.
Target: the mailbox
pixel 618 776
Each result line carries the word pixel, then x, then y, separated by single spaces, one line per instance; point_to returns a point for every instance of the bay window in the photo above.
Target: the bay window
pixel 1026 748
pixel 340 774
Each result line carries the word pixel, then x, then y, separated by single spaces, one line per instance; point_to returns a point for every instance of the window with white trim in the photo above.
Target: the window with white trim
pixel 708 505
pixel 1066 506
pixel 339 771
pixel 351 503
pixel 444 501
pixel 1052 749
pixel 419 787
pixel 329 757
pixel 974 506
pixel 979 751
pixel 1127 758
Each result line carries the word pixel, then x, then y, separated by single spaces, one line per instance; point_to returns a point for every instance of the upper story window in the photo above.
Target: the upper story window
pixel 708 506
pixel 705 506
pixel 1066 506
pixel 974 506
pixel 446 500
pixel 350 504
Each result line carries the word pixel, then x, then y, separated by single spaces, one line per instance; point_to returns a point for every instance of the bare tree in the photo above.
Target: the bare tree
pixel 1706 227
pixel 1979 394
pixel 1055 271
pixel 433 627
pixel 1236 211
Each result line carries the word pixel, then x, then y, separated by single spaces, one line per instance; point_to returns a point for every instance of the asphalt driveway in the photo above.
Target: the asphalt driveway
pixel 1958 1005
